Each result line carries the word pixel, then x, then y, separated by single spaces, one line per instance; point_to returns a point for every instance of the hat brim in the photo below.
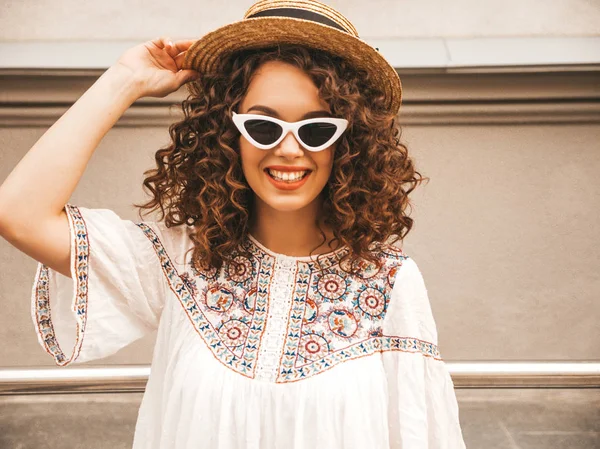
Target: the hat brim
pixel 205 54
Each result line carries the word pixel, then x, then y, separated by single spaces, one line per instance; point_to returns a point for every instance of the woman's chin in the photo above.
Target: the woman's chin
pixel 285 203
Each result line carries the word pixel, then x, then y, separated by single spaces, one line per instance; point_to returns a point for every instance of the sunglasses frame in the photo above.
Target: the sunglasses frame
pixel 240 119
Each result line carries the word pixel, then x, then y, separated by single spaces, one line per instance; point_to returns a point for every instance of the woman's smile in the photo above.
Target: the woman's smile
pixel 287 181
pixel 287 177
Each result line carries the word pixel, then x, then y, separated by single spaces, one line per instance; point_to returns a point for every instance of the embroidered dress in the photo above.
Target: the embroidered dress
pixel 278 353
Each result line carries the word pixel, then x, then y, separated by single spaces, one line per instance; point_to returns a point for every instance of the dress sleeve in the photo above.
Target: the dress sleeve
pixel 422 408
pixel 115 294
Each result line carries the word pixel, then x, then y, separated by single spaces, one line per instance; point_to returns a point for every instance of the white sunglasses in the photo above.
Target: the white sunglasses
pixel 314 134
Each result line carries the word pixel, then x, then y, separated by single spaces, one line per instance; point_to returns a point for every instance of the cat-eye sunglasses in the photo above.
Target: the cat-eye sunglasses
pixel 314 134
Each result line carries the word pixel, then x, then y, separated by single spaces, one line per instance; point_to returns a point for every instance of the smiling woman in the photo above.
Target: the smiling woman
pixel 285 315
pixel 292 94
pixel 229 191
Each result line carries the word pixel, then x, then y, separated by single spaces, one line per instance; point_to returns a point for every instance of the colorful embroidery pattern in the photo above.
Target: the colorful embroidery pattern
pixel 41 310
pixel 334 316
pixel 331 317
pixel 337 317
pixel 219 305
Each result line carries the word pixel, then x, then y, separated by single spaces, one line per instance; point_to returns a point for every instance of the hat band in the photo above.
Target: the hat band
pixel 295 13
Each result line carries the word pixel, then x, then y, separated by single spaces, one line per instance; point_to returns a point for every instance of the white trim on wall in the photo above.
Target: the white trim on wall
pixel 425 53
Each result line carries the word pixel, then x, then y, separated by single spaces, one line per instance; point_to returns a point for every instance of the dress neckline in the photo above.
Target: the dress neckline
pixel 297 258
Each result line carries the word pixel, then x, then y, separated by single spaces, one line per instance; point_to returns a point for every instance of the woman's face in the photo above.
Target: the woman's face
pixel 283 91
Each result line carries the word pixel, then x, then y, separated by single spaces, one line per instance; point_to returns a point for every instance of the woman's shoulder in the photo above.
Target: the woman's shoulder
pixel 168 241
pixel 164 232
pixel 391 250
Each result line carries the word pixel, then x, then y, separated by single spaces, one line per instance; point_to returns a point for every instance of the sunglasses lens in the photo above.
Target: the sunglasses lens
pixel 263 131
pixel 316 134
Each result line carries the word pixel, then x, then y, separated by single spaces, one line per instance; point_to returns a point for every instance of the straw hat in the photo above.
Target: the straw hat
pixel 306 22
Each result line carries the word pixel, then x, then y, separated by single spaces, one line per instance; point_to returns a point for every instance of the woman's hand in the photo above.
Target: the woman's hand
pixel 156 66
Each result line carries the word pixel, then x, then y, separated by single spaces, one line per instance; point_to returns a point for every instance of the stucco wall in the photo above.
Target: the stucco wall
pixel 505 233
pixel 126 20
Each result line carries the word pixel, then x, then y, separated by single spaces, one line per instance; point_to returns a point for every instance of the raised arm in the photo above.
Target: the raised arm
pixel 33 196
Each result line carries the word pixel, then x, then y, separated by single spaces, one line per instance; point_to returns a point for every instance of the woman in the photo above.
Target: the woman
pixel 286 317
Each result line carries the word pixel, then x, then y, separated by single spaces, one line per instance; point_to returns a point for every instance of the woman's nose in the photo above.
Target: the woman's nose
pixel 289 146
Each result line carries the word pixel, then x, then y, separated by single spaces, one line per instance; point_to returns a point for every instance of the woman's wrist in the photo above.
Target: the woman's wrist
pixel 124 82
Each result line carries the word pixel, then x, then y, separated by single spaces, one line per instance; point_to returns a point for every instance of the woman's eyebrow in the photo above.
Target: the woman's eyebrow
pixel 273 112
pixel 321 113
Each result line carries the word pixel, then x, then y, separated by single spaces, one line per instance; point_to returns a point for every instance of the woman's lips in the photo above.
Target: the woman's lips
pixel 287 185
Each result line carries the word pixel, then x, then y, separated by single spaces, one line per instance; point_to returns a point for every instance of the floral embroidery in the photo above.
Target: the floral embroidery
pixel 313 347
pixel 311 311
pixel 243 272
pixel 332 286
pixel 342 322
pixel 367 269
pixel 371 301
pixel 234 332
pixel 219 299
pixel 329 317
pixel 391 276
pixel 333 316
pixel 190 282
pixel 42 313
pixel 249 301
pixel 219 308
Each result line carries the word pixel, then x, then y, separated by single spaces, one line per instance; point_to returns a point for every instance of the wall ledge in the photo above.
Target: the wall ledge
pixel 507 53
pixel 38 97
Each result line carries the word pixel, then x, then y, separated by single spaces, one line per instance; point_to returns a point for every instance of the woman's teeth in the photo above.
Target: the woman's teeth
pixel 287 176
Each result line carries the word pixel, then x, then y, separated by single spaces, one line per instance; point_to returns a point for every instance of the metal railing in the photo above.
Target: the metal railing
pixel 124 379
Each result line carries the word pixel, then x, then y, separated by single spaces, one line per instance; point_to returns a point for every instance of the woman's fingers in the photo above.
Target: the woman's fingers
pixel 179 60
pixel 180 45
pixel 171 50
pixel 179 49
pixel 175 49
pixel 161 42
pixel 184 44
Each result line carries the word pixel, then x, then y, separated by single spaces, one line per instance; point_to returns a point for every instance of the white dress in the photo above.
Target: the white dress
pixel 277 354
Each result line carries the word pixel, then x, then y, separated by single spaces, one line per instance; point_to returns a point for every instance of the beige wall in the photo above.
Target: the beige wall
pixel 133 20
pixel 112 180
pixel 506 231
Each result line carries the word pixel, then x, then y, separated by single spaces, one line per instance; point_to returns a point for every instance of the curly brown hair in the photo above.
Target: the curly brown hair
pixel 199 180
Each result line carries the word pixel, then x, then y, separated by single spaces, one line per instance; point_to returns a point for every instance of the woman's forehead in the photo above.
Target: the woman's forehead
pixel 284 88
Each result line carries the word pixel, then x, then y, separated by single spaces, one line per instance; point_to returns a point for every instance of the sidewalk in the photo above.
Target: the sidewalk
pixel 491 419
